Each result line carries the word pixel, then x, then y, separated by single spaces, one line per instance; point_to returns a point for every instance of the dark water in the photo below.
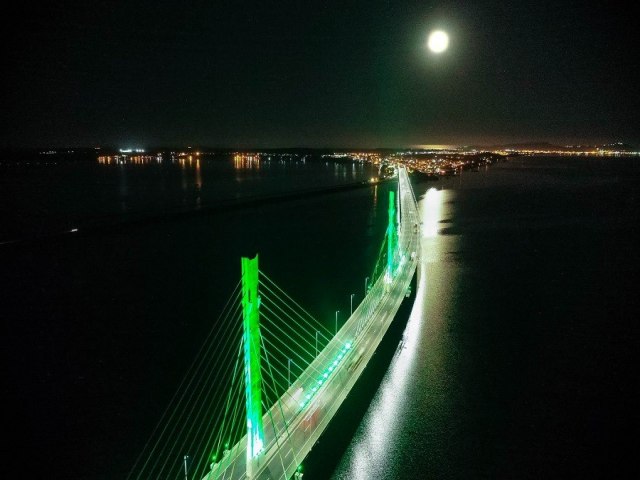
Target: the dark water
pixel 520 356
pixel 40 199
pixel 100 328
pixel 518 360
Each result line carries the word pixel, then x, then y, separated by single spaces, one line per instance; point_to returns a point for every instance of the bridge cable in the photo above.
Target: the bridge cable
pixel 172 451
pixel 290 336
pixel 221 433
pixel 282 365
pixel 187 410
pixel 265 276
pixel 184 384
pixel 306 347
pixel 207 449
pixel 284 419
pixel 204 403
pixel 295 352
pixel 183 404
pixel 225 437
pixel 306 326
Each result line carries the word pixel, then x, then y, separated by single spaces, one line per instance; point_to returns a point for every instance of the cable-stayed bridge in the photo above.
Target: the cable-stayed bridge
pixel 270 377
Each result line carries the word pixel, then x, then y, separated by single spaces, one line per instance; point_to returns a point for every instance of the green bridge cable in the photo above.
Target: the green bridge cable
pixel 200 418
pixel 290 337
pixel 231 434
pixel 231 431
pixel 285 421
pixel 224 435
pixel 188 419
pixel 294 351
pixel 282 366
pixel 306 326
pixel 304 330
pixel 238 424
pixel 175 401
pixel 206 422
pixel 288 328
pixel 184 384
pixel 301 348
pixel 265 276
pixel 186 416
pixel 311 322
pixel 277 349
pixel 282 387
pixel 227 405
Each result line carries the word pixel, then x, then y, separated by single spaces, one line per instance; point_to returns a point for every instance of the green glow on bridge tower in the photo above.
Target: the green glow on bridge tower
pixel 391 236
pixel 252 372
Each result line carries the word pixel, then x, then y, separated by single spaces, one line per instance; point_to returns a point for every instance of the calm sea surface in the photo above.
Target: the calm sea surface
pixel 518 360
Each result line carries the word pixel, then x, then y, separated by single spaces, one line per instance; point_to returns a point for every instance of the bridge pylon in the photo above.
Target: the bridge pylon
pixel 252 369
pixel 391 237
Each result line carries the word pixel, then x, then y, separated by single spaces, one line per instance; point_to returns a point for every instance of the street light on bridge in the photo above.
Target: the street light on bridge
pixel 337 311
pixel 352 303
pixel 365 286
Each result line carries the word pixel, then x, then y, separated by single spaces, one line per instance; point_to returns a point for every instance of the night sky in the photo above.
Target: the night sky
pixel 318 74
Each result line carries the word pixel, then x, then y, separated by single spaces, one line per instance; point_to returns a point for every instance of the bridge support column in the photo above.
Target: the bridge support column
pixel 391 236
pixel 252 371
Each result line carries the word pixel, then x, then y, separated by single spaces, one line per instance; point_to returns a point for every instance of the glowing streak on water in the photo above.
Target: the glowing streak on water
pixel 431 213
pixel 387 407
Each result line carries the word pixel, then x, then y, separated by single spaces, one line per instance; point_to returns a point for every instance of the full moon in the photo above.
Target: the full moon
pixel 438 41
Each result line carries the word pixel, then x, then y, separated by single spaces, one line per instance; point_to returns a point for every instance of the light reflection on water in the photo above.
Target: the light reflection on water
pixel 376 440
pixel 431 212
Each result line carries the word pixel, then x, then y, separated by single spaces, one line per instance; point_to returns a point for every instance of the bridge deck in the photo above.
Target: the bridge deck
pixel 296 421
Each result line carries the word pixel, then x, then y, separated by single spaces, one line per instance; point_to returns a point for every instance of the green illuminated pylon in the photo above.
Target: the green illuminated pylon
pixel 391 235
pixel 252 372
